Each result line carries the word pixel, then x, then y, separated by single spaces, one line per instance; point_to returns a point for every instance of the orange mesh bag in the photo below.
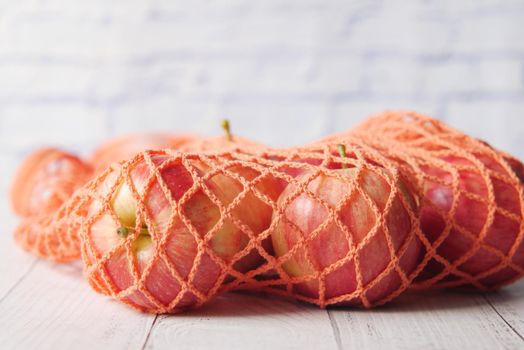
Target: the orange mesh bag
pixel 53 236
pixel 166 231
pixel 46 179
pixel 125 147
pixel 49 177
pixel 59 242
pixel 472 206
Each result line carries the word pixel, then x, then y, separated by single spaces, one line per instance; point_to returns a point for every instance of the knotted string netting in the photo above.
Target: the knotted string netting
pixel 472 203
pixel 45 180
pixel 49 177
pixel 166 231
pixel 52 236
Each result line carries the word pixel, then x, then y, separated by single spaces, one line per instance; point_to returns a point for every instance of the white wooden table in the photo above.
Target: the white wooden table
pixel 50 306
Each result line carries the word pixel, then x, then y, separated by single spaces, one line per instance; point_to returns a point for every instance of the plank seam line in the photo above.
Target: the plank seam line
pixel 13 287
pixel 503 319
pixel 149 332
pixel 336 330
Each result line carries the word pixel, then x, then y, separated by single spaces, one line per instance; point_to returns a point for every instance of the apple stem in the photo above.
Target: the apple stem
pixel 227 129
pixel 342 152
pixel 122 231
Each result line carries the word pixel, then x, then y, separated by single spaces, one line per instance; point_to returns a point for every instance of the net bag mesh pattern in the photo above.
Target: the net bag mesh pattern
pixel 166 231
pixel 52 236
pixel 49 177
pixel 472 203
pixel 45 180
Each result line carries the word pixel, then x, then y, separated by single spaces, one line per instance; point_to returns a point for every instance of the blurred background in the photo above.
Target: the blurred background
pixel 73 73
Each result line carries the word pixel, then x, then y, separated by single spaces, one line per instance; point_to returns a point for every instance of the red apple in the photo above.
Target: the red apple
pixel 46 179
pixel 480 241
pixel 329 251
pixel 470 218
pixel 153 259
pixel 125 147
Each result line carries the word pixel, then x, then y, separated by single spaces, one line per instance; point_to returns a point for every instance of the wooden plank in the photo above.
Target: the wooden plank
pixel 427 320
pixel 509 305
pixel 245 321
pixel 54 308
pixel 15 264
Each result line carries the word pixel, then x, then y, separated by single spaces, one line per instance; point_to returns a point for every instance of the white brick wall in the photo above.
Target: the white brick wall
pixel 284 71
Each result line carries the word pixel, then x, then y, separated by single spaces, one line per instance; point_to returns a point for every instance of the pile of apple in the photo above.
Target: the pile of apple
pixel 48 178
pixel 354 219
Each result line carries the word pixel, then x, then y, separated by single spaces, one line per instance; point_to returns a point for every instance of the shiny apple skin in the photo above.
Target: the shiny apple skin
pixel 180 272
pixel 471 216
pixel 331 245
